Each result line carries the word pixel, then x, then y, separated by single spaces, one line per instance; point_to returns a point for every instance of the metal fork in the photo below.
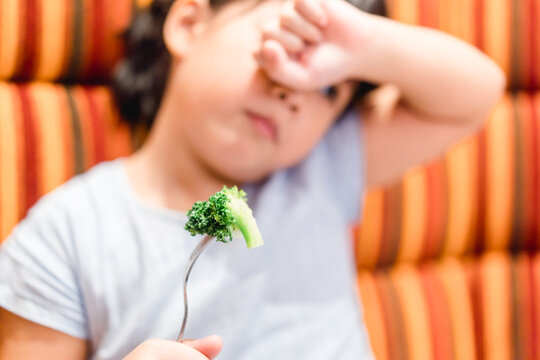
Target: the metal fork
pixel 194 256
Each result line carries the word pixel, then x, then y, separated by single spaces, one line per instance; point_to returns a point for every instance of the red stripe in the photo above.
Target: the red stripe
pixel 439 317
pixel 531 284
pixel 97 29
pixel 482 188
pixel 533 43
pixel 96 123
pixel 479 24
pixel 30 148
pixel 392 225
pixel 429 13
pixel 475 282
pixel 436 210
pixel 535 172
pixel 31 28
pixel 530 172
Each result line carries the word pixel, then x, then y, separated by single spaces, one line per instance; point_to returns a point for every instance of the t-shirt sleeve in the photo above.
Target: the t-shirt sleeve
pixel 38 271
pixel 342 163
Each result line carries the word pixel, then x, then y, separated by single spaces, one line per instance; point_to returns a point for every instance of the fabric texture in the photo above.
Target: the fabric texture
pixel 94 261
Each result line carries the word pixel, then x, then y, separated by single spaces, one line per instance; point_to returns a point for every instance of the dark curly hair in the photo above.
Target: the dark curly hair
pixel 140 78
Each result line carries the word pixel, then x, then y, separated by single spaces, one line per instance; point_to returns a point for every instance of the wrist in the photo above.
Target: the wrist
pixel 371 54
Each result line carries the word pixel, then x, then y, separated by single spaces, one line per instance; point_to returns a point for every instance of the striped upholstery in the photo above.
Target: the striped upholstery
pixel 48 133
pixel 69 40
pixel 471 308
pixel 447 257
pixel 448 263
pixel 506 30
pixel 483 195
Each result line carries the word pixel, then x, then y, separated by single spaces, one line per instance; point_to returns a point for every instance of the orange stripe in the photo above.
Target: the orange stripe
pixel 373 315
pixel 496 306
pixel 370 232
pixel 52 40
pixel 415 316
pixel 143 3
pixel 453 278
pixel 500 176
pixel 497 32
pixel 52 167
pixel 9 180
pixel 119 136
pixel 460 162
pixel 414 215
pixel 405 11
pixel 456 17
pixel 117 16
pixel 439 314
pixel 9 37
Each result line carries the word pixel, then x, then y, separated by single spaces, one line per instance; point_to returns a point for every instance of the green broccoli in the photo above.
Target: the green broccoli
pixel 222 214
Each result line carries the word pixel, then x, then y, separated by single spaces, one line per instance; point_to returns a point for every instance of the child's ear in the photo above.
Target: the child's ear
pixel 185 20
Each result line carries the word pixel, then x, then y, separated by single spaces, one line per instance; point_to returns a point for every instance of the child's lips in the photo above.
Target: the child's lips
pixel 264 126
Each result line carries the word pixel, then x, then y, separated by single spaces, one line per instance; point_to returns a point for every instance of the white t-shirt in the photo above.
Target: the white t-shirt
pixel 95 262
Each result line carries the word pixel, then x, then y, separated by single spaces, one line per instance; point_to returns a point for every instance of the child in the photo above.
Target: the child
pixel 250 96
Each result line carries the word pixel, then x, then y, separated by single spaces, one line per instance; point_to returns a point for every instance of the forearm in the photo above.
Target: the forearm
pixel 438 75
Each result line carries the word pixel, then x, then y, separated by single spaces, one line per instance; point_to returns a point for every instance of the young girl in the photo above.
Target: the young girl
pixel 249 95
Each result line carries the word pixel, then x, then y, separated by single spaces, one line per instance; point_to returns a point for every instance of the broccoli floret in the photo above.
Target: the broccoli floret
pixel 222 214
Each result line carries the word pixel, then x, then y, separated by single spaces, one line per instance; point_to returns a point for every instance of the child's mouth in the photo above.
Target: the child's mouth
pixel 264 126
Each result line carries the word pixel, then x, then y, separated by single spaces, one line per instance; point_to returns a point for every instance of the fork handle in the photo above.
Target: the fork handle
pixel 194 256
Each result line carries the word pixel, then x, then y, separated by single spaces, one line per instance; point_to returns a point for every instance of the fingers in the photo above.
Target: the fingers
pixel 277 64
pixel 299 24
pixel 209 346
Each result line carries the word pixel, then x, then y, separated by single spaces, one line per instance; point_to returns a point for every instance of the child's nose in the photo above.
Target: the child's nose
pixel 289 96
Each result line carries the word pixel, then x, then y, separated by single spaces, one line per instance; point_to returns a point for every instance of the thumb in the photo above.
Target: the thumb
pixel 209 346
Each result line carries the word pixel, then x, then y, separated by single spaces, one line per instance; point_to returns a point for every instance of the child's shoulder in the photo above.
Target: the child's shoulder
pixel 79 195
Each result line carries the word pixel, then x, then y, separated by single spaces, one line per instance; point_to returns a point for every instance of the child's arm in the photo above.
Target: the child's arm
pixel 23 339
pixel 447 87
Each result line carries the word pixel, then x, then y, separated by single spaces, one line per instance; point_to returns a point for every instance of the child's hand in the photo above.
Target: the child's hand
pixel 201 349
pixel 313 43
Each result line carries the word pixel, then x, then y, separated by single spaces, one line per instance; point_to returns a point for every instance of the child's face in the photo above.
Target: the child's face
pixel 234 118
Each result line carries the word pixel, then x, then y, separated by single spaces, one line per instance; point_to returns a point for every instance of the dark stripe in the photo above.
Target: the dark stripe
pixel 392 317
pixel 479 24
pixel 30 21
pixel 518 217
pixel 477 305
pixel 78 146
pixel 77 45
pixel 97 123
pixel 30 149
pixel 393 197
pixel 479 241
pixel 516 322
pixel 96 43
pixel 516 44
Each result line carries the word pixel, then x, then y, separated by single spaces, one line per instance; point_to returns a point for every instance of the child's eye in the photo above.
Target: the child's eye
pixel 330 92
